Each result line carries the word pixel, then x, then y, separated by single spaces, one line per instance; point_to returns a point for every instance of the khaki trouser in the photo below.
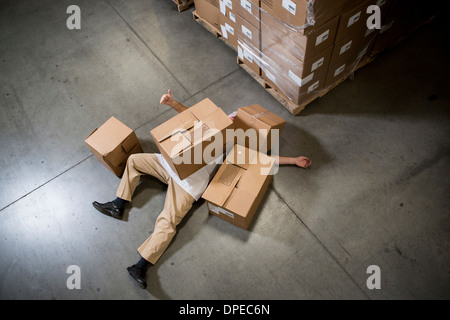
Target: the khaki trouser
pixel 177 204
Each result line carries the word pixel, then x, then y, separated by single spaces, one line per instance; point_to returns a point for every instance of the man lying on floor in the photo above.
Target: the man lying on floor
pixel 181 194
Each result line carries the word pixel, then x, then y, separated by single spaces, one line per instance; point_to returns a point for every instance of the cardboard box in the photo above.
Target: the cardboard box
pixel 353 21
pixel 262 121
pixel 249 11
pixel 296 12
pixel 297 93
pixel 249 55
pixel 227 21
pixel 342 66
pixel 112 144
pixel 247 32
pixel 183 138
pixel 302 47
pixel 279 54
pixel 238 188
pixel 349 48
pixel 209 11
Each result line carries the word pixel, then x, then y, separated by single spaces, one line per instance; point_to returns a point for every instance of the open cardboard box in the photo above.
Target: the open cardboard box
pixel 238 187
pixel 183 138
pixel 262 121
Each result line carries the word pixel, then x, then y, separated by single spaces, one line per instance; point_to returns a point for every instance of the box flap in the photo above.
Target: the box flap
pixel 108 136
pixel 240 201
pixel 130 142
pixel 261 114
pixel 179 123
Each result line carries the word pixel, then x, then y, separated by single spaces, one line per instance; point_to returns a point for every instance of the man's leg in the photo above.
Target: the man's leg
pixel 176 206
pixel 137 165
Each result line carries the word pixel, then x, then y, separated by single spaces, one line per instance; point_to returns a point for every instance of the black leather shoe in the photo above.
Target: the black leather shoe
pixel 109 208
pixel 138 274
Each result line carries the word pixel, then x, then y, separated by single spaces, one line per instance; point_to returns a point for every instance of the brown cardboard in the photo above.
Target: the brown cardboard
pixel 238 188
pixel 249 11
pixel 190 132
pixel 291 90
pixel 262 121
pixel 112 143
pixel 209 11
pixel 247 32
pixel 302 47
pixel 228 27
pixel 349 48
pixel 295 12
pixel 279 54
pixel 353 21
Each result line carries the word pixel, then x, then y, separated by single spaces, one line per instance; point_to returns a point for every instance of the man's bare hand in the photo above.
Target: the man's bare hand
pixel 167 98
pixel 302 162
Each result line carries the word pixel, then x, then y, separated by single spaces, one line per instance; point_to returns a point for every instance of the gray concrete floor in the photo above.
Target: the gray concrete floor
pixel 376 194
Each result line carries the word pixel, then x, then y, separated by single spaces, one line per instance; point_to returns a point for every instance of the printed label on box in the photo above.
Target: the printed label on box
pixel 226 212
pixel 321 38
pixel 346 47
pixel 317 64
pixel 353 19
pixel 289 6
pixel 313 87
pixel 213 208
pixel 229 28
pixel 223 9
pixel 247 32
pixel 229 4
pixel 246 5
pixel 339 70
pixel 300 82
pixel 224 31
pixel 232 17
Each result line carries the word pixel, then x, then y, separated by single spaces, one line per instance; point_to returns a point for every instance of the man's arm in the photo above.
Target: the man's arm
pixel 302 162
pixel 168 100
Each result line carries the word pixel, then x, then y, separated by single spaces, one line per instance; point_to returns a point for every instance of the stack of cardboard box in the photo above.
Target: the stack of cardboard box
pixel 302 48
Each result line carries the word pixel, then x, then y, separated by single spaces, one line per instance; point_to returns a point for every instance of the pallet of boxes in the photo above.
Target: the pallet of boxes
pixel 301 49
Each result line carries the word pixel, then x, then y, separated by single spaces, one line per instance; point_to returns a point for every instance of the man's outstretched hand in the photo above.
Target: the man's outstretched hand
pixel 302 162
pixel 167 98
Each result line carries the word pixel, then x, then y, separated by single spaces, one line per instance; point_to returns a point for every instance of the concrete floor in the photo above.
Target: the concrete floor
pixel 376 194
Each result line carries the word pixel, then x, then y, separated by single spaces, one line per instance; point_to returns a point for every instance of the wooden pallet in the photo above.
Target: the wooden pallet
pixel 288 104
pixel 183 5
pixel 211 29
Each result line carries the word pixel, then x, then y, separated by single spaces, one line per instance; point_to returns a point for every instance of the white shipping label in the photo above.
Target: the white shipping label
pixel 232 17
pixel 353 19
pixel 317 64
pixel 229 28
pixel 323 37
pixel 300 82
pixel 289 6
pixel 224 31
pixel 226 212
pixel 247 32
pixel 339 70
pixel 223 9
pixel 346 47
pixel 248 55
pixel 313 87
pixel 240 53
pixel 213 208
pixel 246 5
pixel 229 4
